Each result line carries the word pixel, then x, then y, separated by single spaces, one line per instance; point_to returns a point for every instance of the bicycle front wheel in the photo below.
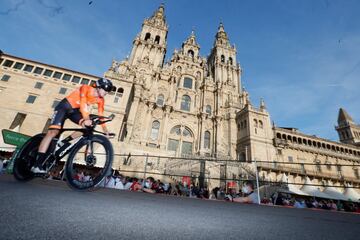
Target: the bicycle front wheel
pixel 89 162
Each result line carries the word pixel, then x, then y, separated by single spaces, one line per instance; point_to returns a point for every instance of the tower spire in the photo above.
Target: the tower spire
pixel 344 117
pixel 221 36
pixel 158 18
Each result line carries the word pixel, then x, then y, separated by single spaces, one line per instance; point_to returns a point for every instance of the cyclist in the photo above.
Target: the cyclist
pixel 75 107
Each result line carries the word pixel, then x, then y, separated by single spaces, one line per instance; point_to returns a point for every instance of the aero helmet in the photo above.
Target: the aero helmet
pixel 105 84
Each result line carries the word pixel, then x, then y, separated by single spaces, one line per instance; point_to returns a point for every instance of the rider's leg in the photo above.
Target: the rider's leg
pixel 44 145
pixel 57 121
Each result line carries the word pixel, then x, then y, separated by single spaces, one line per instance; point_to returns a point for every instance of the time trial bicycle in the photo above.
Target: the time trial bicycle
pixel 90 153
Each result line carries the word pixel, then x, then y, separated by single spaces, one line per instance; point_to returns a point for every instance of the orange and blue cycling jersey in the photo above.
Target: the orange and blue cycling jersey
pixel 76 107
pixel 83 97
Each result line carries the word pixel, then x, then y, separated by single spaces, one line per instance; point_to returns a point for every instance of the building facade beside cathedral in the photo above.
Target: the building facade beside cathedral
pixel 190 106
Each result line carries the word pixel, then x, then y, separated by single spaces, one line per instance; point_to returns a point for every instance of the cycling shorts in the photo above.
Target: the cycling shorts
pixel 62 112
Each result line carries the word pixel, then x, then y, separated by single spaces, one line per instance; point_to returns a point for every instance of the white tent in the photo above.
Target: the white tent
pixel 312 190
pixel 351 194
pixel 334 193
pixel 5 147
pixel 291 187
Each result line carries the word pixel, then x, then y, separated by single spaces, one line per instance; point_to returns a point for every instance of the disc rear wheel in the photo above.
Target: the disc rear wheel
pixel 25 159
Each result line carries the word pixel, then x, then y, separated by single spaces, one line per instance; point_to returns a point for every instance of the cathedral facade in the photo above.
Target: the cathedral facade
pixel 190 106
pixel 187 105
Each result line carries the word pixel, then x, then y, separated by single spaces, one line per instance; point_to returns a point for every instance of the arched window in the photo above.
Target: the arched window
pixel 147 36
pixel 188 83
pixel 118 95
pixel 191 53
pixel 181 140
pixel 230 61
pixel 157 39
pixel 261 125
pixel 185 103
pixel 160 100
pixel 255 123
pixel 208 109
pixel 222 58
pixel 207 140
pixel 155 130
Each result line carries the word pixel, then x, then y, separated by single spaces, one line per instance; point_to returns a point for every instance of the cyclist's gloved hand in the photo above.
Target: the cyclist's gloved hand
pixel 87 123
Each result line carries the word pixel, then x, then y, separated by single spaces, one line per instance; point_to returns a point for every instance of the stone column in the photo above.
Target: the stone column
pixel 133 112
pixel 147 123
pixel 164 126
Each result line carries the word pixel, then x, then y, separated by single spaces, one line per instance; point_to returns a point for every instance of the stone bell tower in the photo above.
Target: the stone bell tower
pixel 149 46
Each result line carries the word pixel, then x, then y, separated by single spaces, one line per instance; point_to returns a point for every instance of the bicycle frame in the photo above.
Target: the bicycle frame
pixel 88 132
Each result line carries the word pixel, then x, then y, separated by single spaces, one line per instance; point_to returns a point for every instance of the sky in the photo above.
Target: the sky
pixel 301 57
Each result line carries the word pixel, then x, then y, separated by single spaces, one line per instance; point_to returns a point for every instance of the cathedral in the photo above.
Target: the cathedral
pixel 189 107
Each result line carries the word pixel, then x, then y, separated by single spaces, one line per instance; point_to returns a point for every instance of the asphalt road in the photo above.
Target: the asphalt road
pixel 45 209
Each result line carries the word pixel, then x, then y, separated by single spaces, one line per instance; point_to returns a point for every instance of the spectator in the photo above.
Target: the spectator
pixel 109 182
pixel 299 203
pixel 214 193
pixel 160 188
pixel 339 206
pixel 309 204
pixel 127 182
pixel 87 177
pixel 167 188
pixel 176 191
pixel 250 195
pixel 332 205
pixel 135 185
pixel 149 185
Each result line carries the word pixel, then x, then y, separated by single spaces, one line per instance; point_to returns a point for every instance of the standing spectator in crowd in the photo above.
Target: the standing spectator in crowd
pixel 250 195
